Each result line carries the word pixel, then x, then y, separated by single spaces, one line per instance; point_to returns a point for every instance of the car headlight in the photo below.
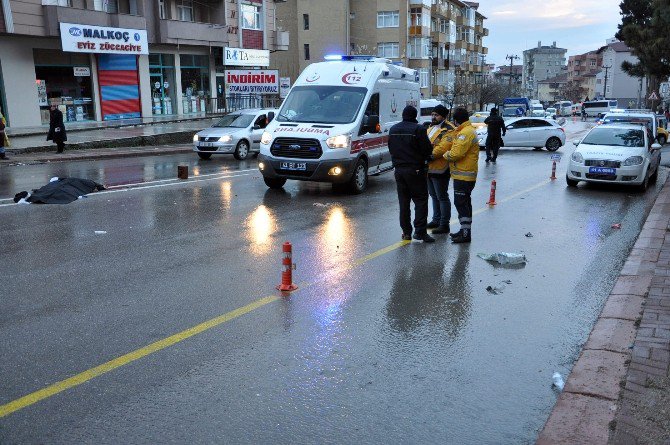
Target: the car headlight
pixel 266 138
pixel 195 138
pixel 577 157
pixel 634 160
pixel 225 138
pixel 339 141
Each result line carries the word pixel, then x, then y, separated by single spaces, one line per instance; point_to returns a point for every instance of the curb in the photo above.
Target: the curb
pixel 586 408
pixel 85 155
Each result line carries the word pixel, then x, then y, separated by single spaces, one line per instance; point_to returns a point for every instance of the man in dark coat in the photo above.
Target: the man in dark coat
pixel 57 129
pixel 495 131
pixel 410 151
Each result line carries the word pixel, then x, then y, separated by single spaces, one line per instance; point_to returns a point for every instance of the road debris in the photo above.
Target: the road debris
pixel 616 226
pixel 493 290
pixel 319 204
pixel 529 235
pixel 100 232
pixel 504 257
pixel 558 381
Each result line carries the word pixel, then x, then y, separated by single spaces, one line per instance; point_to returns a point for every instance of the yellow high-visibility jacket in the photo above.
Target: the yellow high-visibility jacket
pixel 464 154
pixel 441 139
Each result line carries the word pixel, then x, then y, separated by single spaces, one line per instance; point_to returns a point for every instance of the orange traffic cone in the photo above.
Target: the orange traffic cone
pixel 492 196
pixel 287 269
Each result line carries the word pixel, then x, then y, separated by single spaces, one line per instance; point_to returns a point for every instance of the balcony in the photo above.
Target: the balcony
pixel 191 33
pixel 439 37
pixel 485 32
pixel 440 63
pixel 471 47
pixel 419 31
pixel 485 50
pixel 440 10
pixel 53 15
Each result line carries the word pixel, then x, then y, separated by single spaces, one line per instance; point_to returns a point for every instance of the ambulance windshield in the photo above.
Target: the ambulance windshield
pixel 322 104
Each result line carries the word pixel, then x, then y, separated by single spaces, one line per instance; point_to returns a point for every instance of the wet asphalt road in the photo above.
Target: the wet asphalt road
pixel 402 346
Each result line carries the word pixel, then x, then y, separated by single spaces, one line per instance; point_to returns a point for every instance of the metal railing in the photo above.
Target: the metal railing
pixel 223 105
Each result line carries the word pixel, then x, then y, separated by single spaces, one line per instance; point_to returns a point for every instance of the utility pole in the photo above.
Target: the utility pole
pixel 511 58
pixel 607 68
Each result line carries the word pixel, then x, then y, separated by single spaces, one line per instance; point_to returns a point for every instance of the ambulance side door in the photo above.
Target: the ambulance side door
pixel 370 134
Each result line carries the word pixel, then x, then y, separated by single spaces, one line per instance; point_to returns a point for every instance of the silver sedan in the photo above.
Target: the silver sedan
pixel 238 133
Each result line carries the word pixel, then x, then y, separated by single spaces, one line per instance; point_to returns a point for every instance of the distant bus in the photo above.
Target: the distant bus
pixel 563 108
pixel 598 108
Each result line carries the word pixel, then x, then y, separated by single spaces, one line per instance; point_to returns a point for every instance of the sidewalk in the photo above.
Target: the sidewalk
pixel 159 133
pixel 619 389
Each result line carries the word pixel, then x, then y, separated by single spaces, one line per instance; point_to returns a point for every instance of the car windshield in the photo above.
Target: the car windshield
pixel 615 137
pixel 509 112
pixel 322 104
pixel 551 110
pixel 235 120
pixel 648 121
pixel 477 119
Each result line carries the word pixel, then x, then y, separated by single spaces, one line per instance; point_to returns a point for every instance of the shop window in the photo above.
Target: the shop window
pixel 251 16
pixel 163 86
pixel 185 10
pixel 194 82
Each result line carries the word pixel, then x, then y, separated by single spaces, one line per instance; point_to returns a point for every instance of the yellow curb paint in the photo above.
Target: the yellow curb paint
pixel 137 354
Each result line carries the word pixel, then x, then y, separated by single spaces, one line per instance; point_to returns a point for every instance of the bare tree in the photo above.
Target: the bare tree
pixel 573 91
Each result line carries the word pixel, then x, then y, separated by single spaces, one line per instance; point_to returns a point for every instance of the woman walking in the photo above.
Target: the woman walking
pixel 57 129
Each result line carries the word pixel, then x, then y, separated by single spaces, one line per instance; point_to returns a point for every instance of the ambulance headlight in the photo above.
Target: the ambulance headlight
pixel 266 138
pixel 339 141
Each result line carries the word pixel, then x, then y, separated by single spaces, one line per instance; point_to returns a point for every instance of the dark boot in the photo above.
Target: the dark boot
pixel 440 230
pixel 425 238
pixel 3 156
pixel 433 225
pixel 456 234
pixel 406 237
pixel 464 237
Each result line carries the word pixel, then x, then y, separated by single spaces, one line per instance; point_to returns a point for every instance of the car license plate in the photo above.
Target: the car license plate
pixel 602 170
pixel 206 144
pixel 294 166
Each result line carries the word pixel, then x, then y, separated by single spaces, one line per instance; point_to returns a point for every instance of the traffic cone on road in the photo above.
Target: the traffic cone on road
pixel 553 170
pixel 287 269
pixel 492 196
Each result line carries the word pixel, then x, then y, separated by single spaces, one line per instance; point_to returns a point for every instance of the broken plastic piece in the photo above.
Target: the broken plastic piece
pixel 529 235
pixel 558 381
pixel 100 232
pixel 616 226
pixel 504 257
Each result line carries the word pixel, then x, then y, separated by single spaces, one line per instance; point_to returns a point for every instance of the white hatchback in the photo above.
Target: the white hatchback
pixel 616 153
pixel 530 132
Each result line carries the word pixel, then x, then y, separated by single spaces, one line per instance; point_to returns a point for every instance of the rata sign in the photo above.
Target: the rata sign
pixel 352 78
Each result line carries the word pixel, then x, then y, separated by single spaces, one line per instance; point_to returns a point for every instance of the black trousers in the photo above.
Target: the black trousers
pixel 60 145
pixel 412 186
pixel 463 202
pixel 492 148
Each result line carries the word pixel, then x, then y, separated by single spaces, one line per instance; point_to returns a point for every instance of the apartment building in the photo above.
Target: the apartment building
pixel 541 63
pixel 583 68
pixel 509 74
pixel 613 82
pixel 549 90
pixel 442 39
pixel 114 59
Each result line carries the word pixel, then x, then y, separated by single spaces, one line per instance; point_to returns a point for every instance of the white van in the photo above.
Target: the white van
pixel 537 110
pixel 425 110
pixel 563 108
pixel 598 108
pixel 333 126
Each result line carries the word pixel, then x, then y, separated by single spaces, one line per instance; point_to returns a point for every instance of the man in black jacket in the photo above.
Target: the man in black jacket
pixel 495 131
pixel 410 151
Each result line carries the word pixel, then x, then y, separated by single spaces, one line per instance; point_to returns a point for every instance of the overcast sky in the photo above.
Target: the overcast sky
pixel 577 25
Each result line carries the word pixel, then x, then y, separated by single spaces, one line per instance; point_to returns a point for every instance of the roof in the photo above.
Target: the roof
pixel 619 47
pixel 561 78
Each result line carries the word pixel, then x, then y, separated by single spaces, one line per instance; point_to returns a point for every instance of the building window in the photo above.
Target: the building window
pixel 390 50
pixel 161 10
pixel 185 10
pixel 388 19
pixel 419 48
pixel 593 63
pixel 305 22
pixel 251 16
pixel 417 18
pixel 423 78
pixel 306 47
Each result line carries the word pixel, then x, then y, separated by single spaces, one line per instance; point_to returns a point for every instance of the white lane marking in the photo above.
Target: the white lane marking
pixel 151 185
pixel 157 181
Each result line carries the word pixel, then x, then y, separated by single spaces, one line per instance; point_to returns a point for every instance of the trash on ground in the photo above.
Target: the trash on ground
pixel 319 204
pixel 504 257
pixel 59 191
pixel 493 290
pixel 558 381
pixel 100 232
pixel 616 226
pixel 507 281
pixel 529 235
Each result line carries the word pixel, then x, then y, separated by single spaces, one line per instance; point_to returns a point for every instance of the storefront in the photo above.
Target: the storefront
pixel 195 84
pixel 163 85
pixel 64 80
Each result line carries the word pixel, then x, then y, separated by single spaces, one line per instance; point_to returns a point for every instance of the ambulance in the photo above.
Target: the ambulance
pixel 334 124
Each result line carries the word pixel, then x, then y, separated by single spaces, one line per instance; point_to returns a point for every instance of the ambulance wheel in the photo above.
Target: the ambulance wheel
pixel 204 155
pixel 359 179
pixel 274 183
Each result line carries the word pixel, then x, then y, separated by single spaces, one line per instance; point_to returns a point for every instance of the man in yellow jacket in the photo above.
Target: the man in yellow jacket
pixel 463 159
pixel 441 135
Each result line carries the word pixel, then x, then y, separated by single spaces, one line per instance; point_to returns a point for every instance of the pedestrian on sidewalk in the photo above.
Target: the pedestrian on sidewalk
pixel 4 140
pixel 57 129
pixel 463 158
pixel 495 130
pixel 441 135
pixel 410 151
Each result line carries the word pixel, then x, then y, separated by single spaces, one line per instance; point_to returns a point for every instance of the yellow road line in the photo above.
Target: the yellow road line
pixel 137 354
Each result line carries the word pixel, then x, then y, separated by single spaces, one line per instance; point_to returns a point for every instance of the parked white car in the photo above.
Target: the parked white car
pixel 238 133
pixel 530 132
pixel 616 153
